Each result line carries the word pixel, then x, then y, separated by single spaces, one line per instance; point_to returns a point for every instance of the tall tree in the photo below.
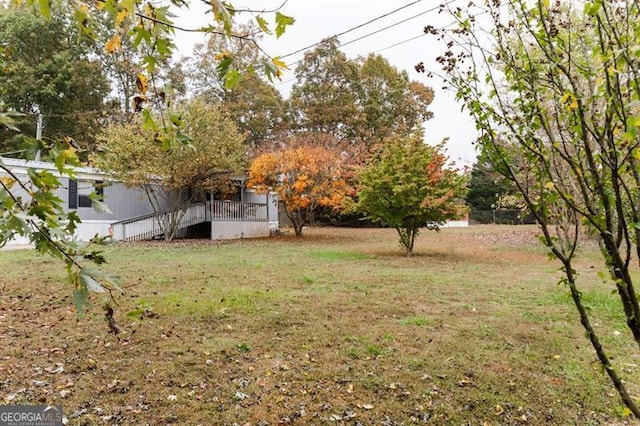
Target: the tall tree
pixel 183 174
pixel 410 187
pixel 365 100
pixel 486 186
pixel 324 97
pixel 49 70
pixel 255 105
pixel 391 103
pixel 554 90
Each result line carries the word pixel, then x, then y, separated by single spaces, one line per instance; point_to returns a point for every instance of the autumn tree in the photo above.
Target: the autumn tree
pixel 392 104
pixel 304 176
pixel 553 87
pixel 183 174
pixel 324 97
pixel 409 188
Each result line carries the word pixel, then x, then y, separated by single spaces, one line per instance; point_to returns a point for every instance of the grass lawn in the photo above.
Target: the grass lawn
pixel 335 328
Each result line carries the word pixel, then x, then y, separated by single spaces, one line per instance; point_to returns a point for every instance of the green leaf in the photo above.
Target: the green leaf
pixel 141 34
pixel 73 220
pixel 148 121
pixel 183 138
pixel 136 313
pixel 45 8
pixel 81 301
pixel 282 21
pixel 270 71
pixel 93 272
pixel 90 283
pixel 224 66
pixel 262 23
pixel 97 203
pixel 66 157
pixel 232 78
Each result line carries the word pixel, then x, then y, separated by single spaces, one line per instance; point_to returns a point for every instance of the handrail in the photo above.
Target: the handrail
pixel 230 211
pixel 152 225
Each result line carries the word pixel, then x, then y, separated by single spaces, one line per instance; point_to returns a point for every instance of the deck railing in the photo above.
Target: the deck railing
pixel 153 225
pixel 229 211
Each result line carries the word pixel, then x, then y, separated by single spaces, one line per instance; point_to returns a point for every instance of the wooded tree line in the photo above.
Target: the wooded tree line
pixel 51 69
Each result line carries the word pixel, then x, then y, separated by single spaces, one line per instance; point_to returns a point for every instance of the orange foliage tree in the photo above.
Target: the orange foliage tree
pixel 304 177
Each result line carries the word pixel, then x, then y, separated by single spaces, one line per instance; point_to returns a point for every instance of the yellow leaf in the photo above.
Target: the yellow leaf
pixel 549 185
pixel 142 83
pixel 7 182
pixel 114 44
pixel 221 56
pixel 574 104
pixel 279 63
pixel 565 97
pixel 121 16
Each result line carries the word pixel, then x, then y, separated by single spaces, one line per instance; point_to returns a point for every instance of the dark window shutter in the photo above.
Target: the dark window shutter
pixel 99 188
pixel 73 194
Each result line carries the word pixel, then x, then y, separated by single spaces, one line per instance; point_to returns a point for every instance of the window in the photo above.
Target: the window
pixel 79 194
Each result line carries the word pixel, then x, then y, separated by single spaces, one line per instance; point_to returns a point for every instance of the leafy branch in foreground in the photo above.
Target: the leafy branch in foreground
pixel 31 209
pixel 554 92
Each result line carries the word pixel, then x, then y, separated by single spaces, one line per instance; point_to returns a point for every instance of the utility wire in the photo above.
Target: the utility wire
pixel 445 27
pixel 392 25
pixel 400 43
pixel 377 51
pixel 353 28
pixel 373 32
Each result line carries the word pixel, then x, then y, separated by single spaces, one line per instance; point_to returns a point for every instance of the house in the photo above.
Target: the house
pixel 131 216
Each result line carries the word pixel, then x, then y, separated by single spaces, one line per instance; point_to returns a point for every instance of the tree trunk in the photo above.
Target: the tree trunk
pixel 595 342
pixel 407 240
pixel 297 220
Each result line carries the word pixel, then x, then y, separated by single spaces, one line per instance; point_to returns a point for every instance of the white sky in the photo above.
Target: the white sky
pixel 318 19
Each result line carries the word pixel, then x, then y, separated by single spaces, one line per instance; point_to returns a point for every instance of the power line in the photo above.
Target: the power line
pixel 445 27
pixel 392 25
pixel 353 28
pixel 432 9
pixel 400 43
pixel 377 51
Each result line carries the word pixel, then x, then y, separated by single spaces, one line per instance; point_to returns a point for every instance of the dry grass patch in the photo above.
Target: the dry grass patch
pixel 338 327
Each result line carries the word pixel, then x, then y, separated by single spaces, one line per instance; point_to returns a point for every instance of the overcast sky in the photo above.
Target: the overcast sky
pixel 318 19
